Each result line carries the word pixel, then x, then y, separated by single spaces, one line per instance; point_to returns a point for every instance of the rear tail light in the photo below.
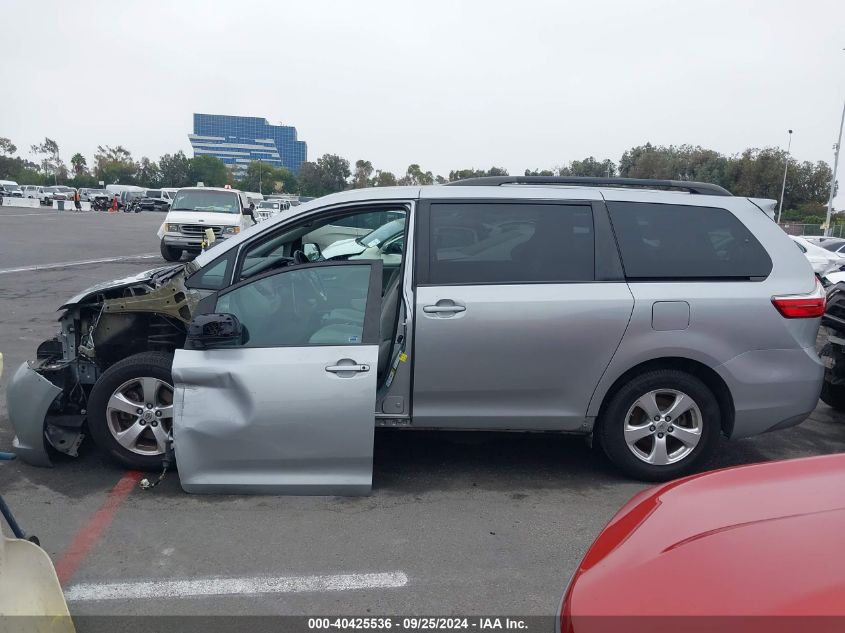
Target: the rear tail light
pixel 809 306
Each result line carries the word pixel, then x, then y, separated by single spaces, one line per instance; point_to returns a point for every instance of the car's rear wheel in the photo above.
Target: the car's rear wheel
pixel 169 253
pixel 130 410
pixel 660 425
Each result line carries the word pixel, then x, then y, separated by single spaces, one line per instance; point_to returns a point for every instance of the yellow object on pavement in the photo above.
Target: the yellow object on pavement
pixel 31 599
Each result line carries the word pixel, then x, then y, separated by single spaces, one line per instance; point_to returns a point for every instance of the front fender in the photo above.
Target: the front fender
pixel 28 397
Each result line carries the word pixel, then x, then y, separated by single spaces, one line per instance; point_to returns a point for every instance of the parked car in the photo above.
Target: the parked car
pixel 195 209
pixel 97 197
pixel 33 191
pixel 155 200
pixel 10 189
pixel 822 260
pixel 741 549
pixel 59 192
pixel 653 321
pixel 266 209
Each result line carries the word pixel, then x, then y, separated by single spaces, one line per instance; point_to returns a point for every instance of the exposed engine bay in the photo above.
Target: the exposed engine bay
pixel 101 326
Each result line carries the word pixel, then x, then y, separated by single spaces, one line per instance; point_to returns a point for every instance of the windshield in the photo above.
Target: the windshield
pixel 832 245
pixel 153 193
pixel 382 233
pixel 216 201
pixel 268 205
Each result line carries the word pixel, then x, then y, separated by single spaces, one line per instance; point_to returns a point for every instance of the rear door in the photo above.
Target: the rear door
pixel 520 306
pixel 290 410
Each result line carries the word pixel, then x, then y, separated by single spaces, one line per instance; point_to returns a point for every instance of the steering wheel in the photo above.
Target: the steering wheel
pixel 300 258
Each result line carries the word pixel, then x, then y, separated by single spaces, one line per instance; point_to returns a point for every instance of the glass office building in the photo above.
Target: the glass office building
pixel 239 140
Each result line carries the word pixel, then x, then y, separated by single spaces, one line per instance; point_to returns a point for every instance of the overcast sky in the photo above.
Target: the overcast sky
pixel 451 84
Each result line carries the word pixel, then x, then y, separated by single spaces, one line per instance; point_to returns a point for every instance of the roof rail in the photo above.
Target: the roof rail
pixel 703 188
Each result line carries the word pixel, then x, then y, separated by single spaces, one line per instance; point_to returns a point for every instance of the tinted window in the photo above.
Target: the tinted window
pixel 510 243
pixel 832 245
pixel 673 241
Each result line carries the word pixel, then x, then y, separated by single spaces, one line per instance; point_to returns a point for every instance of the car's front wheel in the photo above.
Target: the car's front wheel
pixel 169 253
pixel 661 425
pixel 130 410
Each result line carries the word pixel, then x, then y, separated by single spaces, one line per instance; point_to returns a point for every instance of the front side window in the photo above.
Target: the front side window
pixel 316 239
pixel 315 305
pixel 674 241
pixel 492 243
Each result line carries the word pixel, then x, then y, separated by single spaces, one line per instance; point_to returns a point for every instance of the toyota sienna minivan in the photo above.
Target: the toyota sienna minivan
pixel 652 316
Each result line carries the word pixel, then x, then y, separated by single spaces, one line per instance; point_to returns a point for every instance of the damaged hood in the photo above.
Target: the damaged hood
pixel 152 277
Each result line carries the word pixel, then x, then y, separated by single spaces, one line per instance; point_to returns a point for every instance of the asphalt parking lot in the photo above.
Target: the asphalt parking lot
pixel 457 523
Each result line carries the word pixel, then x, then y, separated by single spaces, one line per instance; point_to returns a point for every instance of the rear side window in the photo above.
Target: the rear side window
pixel 673 241
pixel 489 243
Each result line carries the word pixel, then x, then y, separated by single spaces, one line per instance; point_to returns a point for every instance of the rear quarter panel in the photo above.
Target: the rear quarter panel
pixel 728 319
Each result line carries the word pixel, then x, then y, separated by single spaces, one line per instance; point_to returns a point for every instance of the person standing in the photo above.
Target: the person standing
pixel 77 201
pixel 114 204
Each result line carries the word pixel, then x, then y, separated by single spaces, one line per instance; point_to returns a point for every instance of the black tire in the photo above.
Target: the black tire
pixel 832 395
pixel 169 253
pixel 147 364
pixel 610 430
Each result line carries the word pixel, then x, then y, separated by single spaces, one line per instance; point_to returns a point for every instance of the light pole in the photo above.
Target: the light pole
pixel 836 147
pixel 785 169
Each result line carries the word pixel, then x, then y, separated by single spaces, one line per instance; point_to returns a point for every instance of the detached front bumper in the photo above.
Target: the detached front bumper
pixel 28 398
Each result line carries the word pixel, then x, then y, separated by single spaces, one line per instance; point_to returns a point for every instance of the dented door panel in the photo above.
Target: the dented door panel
pixel 274 420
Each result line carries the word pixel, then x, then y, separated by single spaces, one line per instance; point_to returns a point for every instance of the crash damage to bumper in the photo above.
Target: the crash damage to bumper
pixel 29 396
pixel 47 398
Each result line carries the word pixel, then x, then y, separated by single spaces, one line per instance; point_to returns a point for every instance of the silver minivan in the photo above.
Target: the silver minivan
pixel 653 316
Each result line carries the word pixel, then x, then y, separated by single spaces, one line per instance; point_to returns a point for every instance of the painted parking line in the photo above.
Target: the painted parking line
pixel 198 587
pixel 82 262
pixel 88 535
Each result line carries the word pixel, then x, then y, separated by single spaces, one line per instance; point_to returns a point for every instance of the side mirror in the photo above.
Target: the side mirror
pixel 396 248
pixel 208 331
pixel 312 252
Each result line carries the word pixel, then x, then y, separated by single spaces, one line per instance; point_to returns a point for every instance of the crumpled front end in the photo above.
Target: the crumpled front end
pixel 28 399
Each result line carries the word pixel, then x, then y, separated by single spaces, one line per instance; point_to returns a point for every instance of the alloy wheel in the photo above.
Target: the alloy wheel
pixel 663 426
pixel 139 415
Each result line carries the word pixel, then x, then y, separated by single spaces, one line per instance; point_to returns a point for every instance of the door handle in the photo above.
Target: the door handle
pixel 443 309
pixel 337 369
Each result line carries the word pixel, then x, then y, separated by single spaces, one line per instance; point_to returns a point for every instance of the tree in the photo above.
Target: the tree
pixel 539 172
pixel 50 163
pixel 414 175
pixel 78 164
pixel 384 179
pixel 463 174
pixel 589 167
pixel 266 179
pixel 175 170
pixel 209 170
pixel 327 175
pixel 7 147
pixel 148 173
pixel 114 165
pixel 334 172
pixel 309 179
pixel 363 172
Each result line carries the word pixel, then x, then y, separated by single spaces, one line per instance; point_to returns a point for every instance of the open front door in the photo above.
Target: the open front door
pixel 288 407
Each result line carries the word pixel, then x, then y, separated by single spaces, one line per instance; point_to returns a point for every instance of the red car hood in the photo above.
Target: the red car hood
pixel 767 539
